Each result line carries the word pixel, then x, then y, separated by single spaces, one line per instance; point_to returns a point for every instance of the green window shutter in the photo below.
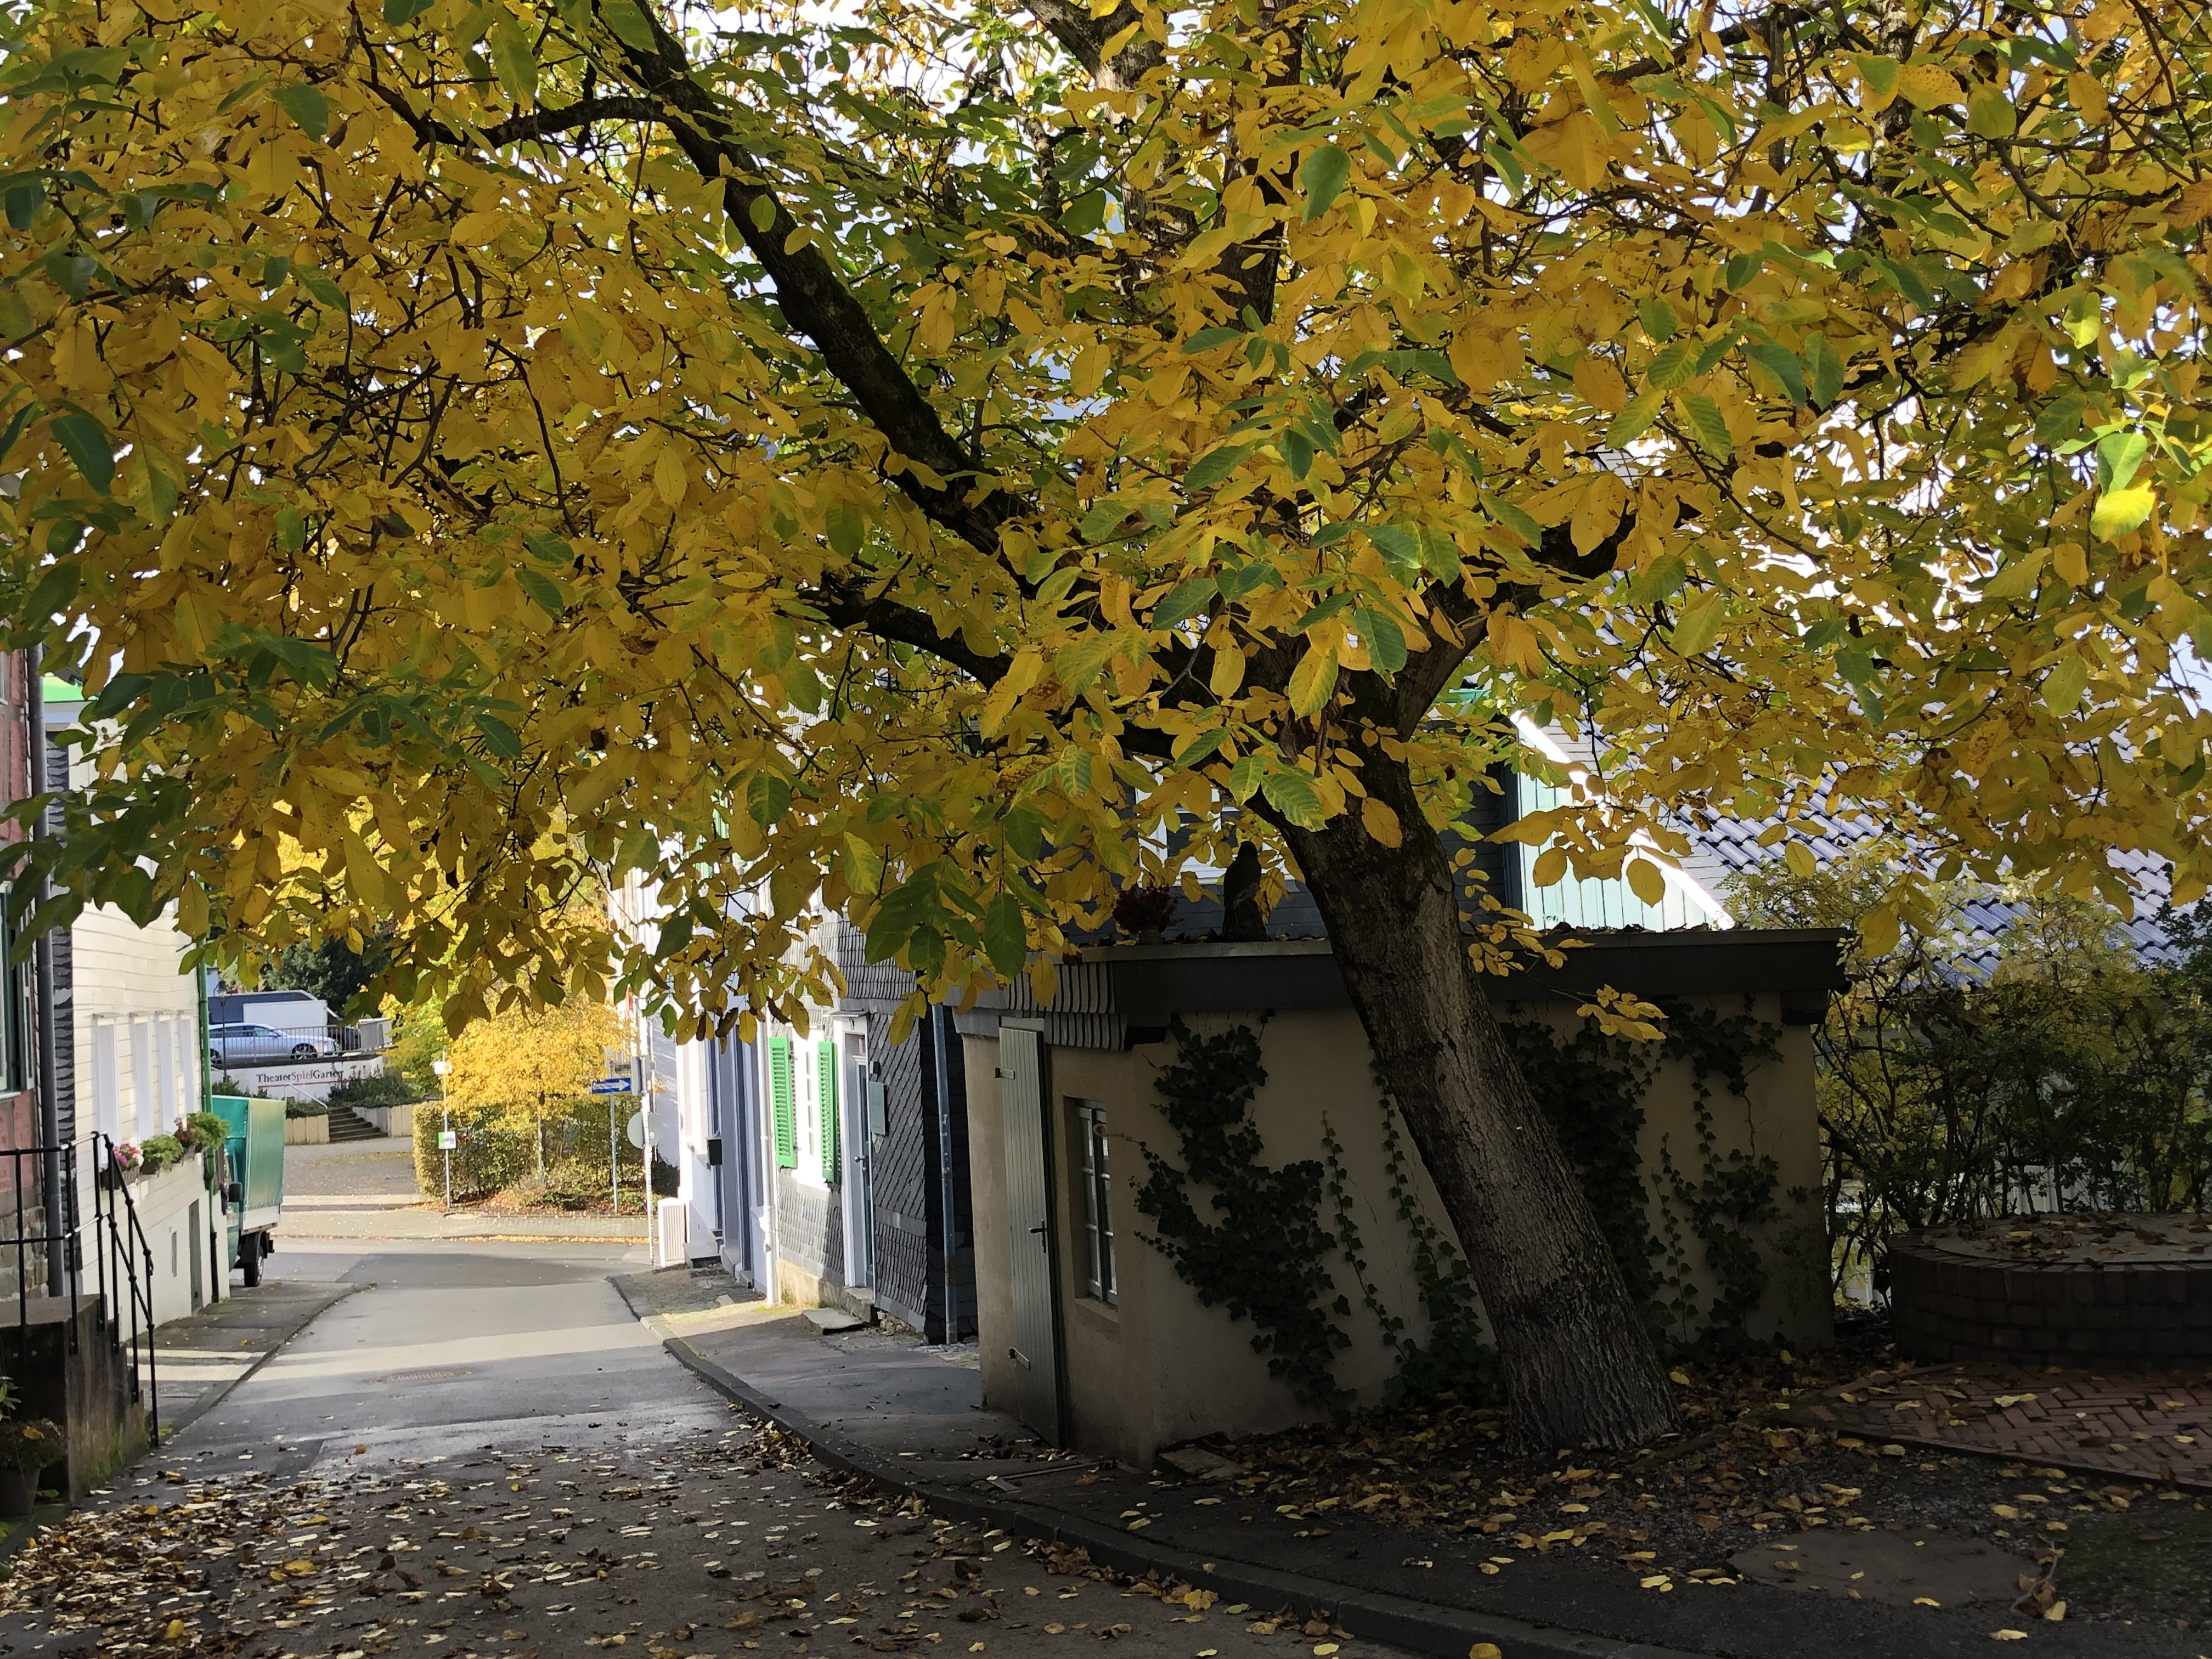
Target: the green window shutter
pixel 826 1058
pixel 780 1107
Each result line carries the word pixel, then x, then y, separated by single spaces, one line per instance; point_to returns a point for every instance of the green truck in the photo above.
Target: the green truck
pixel 253 1180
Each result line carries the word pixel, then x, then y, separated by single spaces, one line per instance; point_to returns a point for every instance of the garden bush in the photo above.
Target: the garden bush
pixel 382 1089
pixel 2061 1069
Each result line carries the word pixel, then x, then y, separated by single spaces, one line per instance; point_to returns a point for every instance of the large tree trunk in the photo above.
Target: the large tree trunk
pixel 1579 1368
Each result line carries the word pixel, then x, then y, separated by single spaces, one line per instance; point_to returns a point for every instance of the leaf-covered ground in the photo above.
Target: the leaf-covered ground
pixel 1740 1478
pixel 707 1546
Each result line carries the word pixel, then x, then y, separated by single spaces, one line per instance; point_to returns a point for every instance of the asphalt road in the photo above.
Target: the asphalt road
pixel 483 1454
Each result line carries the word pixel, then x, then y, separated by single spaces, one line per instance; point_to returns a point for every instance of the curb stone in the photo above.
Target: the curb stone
pixel 1418 1627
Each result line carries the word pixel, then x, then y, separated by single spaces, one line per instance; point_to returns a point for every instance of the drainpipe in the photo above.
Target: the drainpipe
pixel 50 1110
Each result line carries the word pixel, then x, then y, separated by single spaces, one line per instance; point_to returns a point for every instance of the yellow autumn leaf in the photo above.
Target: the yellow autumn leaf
pixel 1314 680
pixel 1380 821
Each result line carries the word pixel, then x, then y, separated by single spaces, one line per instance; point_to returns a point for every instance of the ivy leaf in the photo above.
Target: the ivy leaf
pixel 1323 177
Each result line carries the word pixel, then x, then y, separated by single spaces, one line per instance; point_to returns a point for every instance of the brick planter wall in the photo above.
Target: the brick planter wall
pixel 1947 1306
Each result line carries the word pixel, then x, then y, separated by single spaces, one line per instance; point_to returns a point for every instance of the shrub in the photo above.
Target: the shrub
pixel 384 1089
pixel 307 1109
pixel 202 1131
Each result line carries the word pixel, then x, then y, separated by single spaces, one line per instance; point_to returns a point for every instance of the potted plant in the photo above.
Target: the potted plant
pixel 157 1152
pixel 1143 913
pixel 27 1446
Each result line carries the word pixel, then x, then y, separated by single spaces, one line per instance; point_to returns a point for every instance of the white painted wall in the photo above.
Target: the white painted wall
pixel 138 1025
pixel 169 1204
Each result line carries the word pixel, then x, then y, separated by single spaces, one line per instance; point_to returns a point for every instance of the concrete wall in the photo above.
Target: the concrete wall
pixel 1160 1368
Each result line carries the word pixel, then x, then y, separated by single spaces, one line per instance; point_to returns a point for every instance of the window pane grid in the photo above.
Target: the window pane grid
pixel 1097 1201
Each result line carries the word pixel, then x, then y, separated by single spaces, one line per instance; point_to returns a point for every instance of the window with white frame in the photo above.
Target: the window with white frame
pixel 807 1126
pixel 1095 1165
pixel 106 1093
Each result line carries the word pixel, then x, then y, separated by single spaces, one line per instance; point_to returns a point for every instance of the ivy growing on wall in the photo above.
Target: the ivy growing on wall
pixel 1263 1249
pixel 1263 1254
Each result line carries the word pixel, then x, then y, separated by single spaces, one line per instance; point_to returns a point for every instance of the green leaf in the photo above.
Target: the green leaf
pixel 1183 602
pixel 22 199
pixel 1214 465
pixel 2119 511
pixel 844 529
pixel 499 737
pixel 2064 685
pixel 1673 366
pixel 1879 73
pixel 1699 625
pixel 1024 829
pixel 1742 268
pixel 551 548
pixel 629 23
pixel 1636 419
pixel 1990 113
pixel 1515 519
pixel 1078 662
pixel 1292 793
pixel 767 798
pixel 1206 338
pixel 398 13
pixel 1386 640
pixel 1703 416
pixel 1005 940
pixel 512 60
pixel 541 591
pixel 2016 580
pixel 1297 452
pixel 1323 178
pixel 1824 370
pixel 1201 747
pixel 1401 550
pixel 1104 518
pixel 1781 366
pixel 1658 316
pixel 1073 773
pixel 306 106
pixel 2119 455
pixel 1245 775
pixel 291 529
pixel 86 441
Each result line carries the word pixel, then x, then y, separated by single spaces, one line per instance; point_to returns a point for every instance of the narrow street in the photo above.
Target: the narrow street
pixel 481 1452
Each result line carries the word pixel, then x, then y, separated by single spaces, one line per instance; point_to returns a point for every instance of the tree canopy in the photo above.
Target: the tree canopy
pixel 912 457
pixel 923 458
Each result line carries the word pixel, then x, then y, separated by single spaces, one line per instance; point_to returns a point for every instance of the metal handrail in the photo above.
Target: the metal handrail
pixel 117 1238
pixel 119 1247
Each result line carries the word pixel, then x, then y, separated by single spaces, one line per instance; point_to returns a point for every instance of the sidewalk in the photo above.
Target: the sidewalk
pixel 912 1418
pixel 202 1357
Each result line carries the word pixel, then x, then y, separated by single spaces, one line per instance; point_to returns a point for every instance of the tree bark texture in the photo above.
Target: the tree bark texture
pixel 1579 1368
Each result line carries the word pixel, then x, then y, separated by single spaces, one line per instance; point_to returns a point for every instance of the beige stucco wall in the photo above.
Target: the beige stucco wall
pixel 1161 1367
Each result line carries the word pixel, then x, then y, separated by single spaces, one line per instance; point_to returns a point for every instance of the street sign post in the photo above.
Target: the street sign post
pixel 609 1085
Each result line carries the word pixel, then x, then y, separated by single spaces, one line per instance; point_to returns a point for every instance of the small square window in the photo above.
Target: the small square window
pixel 1093 1154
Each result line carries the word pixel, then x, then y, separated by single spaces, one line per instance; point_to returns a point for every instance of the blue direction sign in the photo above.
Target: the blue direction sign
pixel 611 1086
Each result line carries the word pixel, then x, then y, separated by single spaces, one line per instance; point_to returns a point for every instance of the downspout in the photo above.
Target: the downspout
pixel 948 1250
pixel 49 1113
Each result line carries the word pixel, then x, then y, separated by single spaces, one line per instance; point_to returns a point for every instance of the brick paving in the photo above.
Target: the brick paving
pixel 2146 1428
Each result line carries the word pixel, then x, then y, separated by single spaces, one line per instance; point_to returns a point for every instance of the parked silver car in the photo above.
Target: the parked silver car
pixel 248 1044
